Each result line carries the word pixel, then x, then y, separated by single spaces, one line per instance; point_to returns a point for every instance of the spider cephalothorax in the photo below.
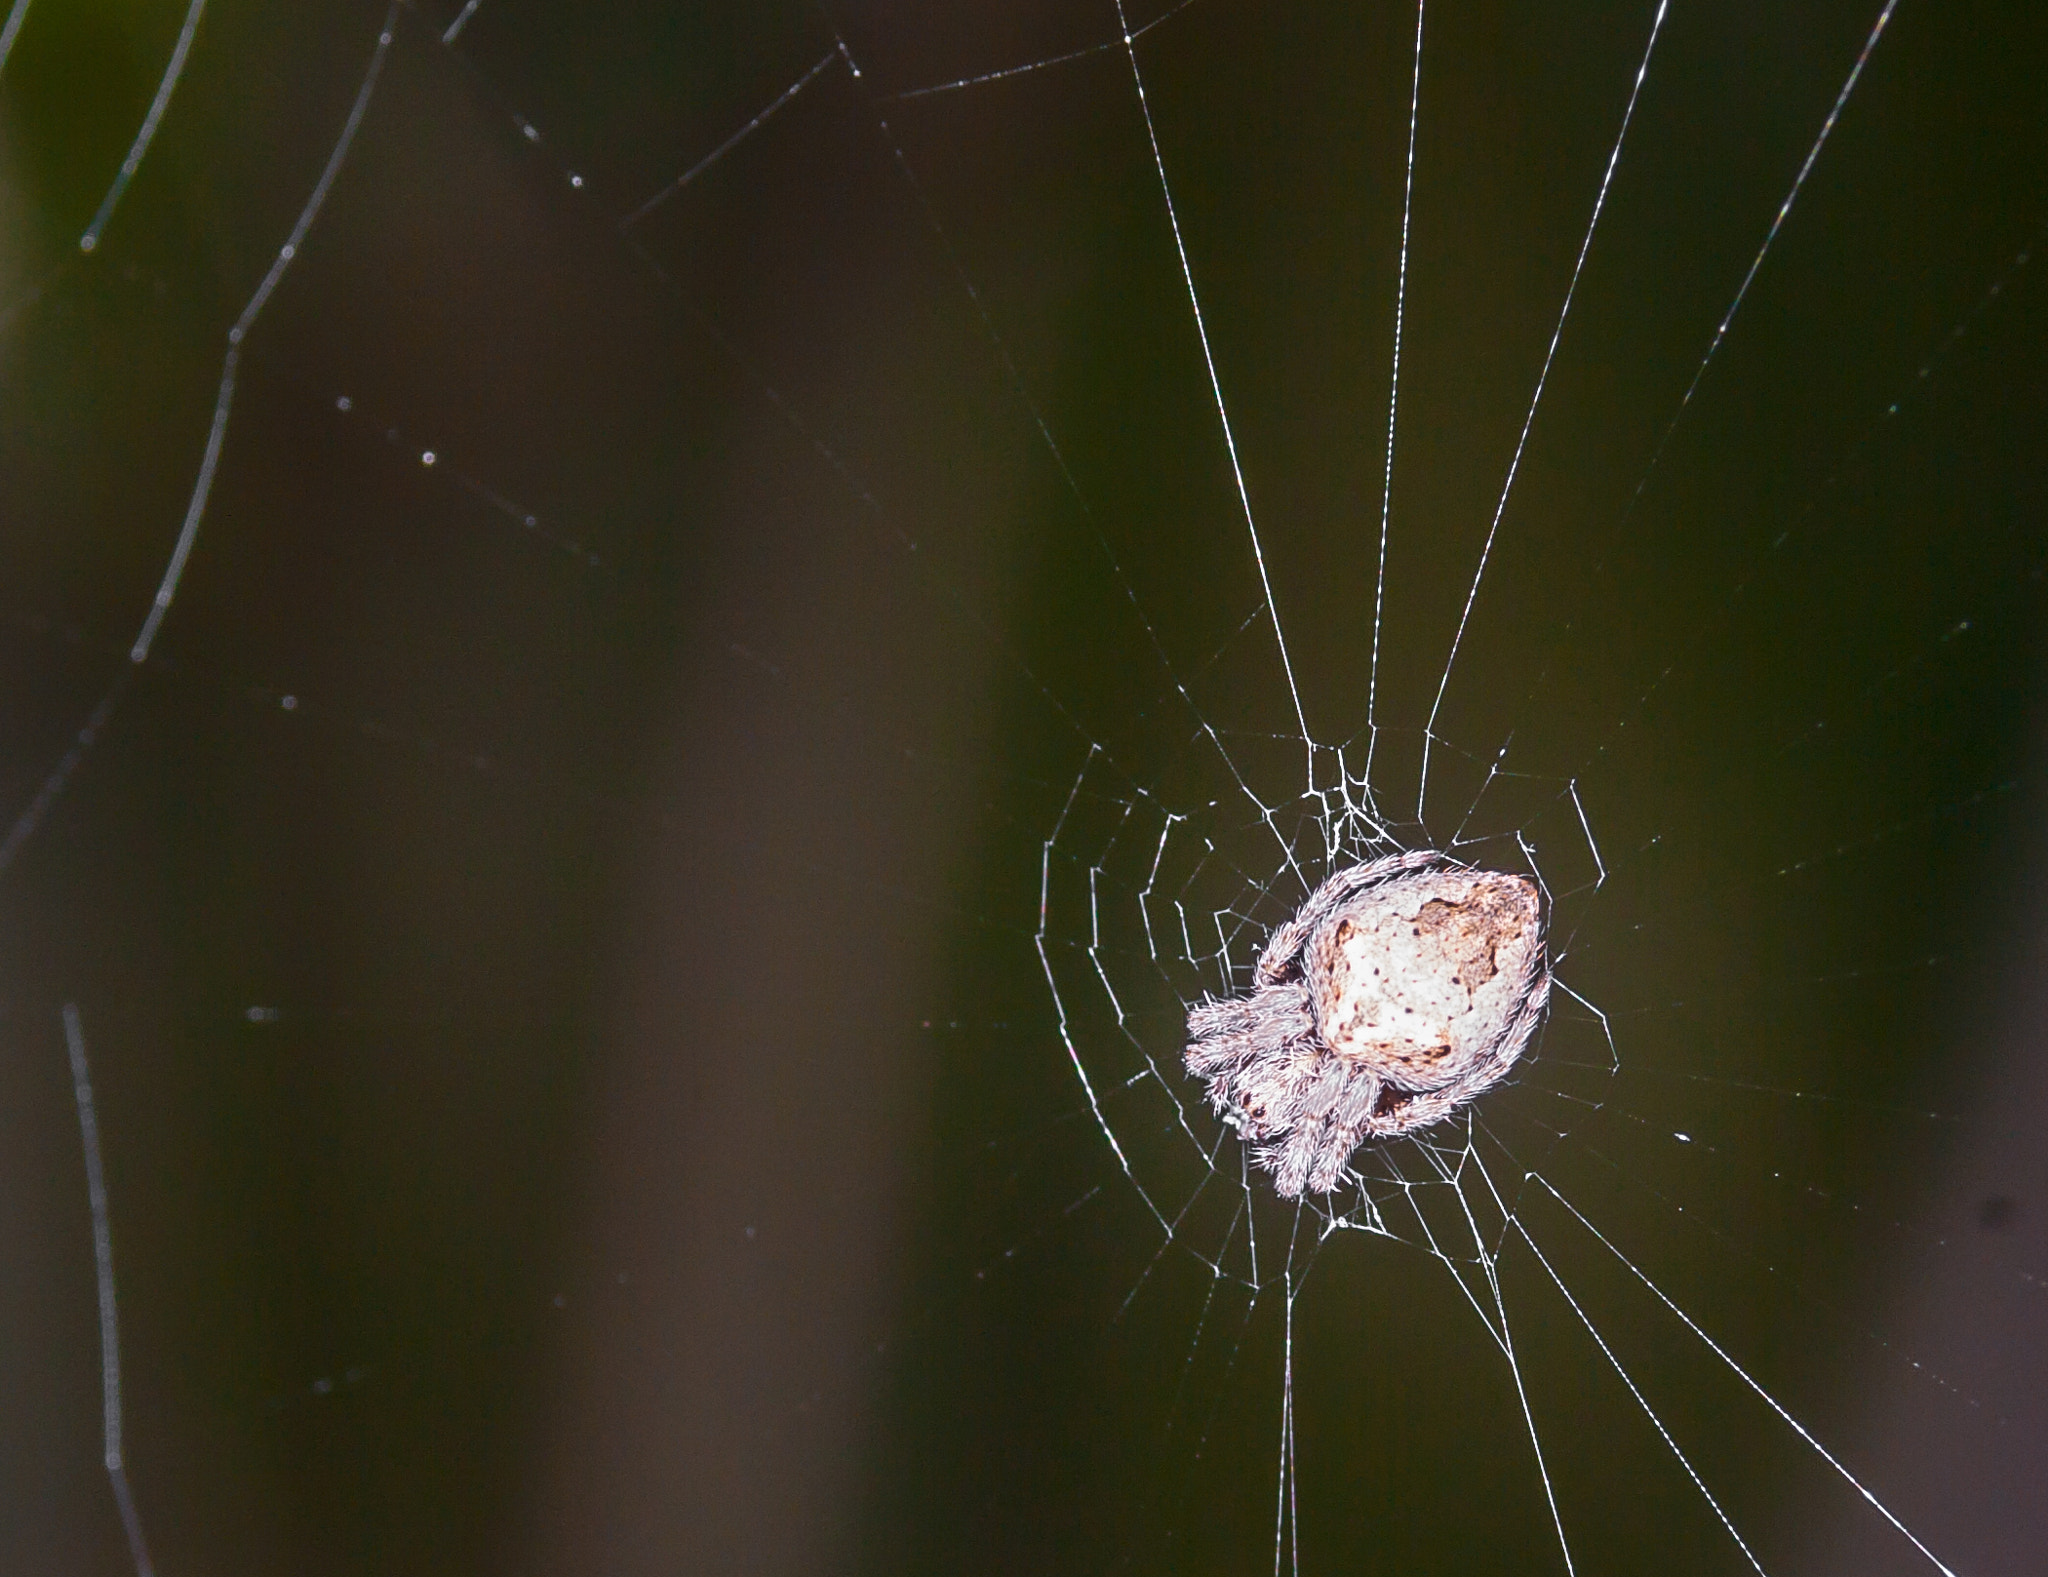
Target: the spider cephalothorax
pixel 1396 993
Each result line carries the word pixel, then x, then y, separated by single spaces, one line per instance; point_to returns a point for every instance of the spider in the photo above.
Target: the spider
pixel 1395 994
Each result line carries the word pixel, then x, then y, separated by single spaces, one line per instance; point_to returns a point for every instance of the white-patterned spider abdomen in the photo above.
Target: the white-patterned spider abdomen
pixel 1396 993
pixel 1414 978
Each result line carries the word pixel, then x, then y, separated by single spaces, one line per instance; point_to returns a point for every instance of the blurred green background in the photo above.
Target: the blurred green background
pixel 580 1086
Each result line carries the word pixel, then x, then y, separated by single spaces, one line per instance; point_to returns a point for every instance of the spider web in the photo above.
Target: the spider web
pixel 1099 471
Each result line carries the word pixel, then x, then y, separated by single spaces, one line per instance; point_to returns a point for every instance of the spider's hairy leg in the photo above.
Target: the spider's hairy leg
pixel 1256 1054
pixel 1220 1033
pixel 1226 1032
pixel 1316 1107
pixel 1347 1130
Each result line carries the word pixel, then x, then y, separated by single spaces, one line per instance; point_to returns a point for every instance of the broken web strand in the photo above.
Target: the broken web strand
pixel 11 29
pixel 1379 589
pixel 1015 377
pixel 1535 401
pixel 53 786
pixel 1202 1318
pixel 454 29
pixel 1586 826
pixel 618 226
pixel 103 1260
pixel 1745 1377
pixel 767 390
pixel 225 394
pixel 730 143
pixel 1039 65
pixel 1173 1237
pixel 147 134
pixel 1492 1310
pixel 1492 1313
pixel 827 454
pixel 1268 812
pixel 1233 1351
pixel 1022 392
pixel 435 457
pixel 1244 497
pixel 1493 772
pixel 1606 1028
pixel 1408 1189
pixel 1152 882
pixel 1251 1216
pixel 224 400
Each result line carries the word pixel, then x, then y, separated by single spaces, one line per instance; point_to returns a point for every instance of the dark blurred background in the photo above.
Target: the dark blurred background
pixel 554 926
